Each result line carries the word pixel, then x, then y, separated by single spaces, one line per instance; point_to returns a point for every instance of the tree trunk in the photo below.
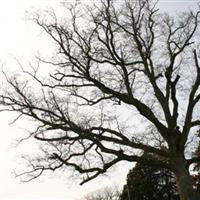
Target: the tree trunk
pixel 184 183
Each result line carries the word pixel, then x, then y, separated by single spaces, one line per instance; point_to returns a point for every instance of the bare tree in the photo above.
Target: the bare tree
pixel 114 58
pixel 104 194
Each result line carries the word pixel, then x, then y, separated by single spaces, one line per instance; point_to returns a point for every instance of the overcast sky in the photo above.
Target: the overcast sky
pixel 20 38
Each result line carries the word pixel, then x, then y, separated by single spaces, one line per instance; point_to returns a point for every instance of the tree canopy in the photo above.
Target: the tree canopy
pixel 123 76
pixel 150 183
pixel 104 194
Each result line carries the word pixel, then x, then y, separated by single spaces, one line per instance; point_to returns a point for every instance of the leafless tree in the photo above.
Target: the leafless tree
pixel 114 59
pixel 104 194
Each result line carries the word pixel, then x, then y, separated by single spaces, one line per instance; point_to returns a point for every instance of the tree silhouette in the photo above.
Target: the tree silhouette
pixel 150 183
pixel 104 194
pixel 113 59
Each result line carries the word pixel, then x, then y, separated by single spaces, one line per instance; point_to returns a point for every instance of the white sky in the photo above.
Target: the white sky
pixel 22 39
